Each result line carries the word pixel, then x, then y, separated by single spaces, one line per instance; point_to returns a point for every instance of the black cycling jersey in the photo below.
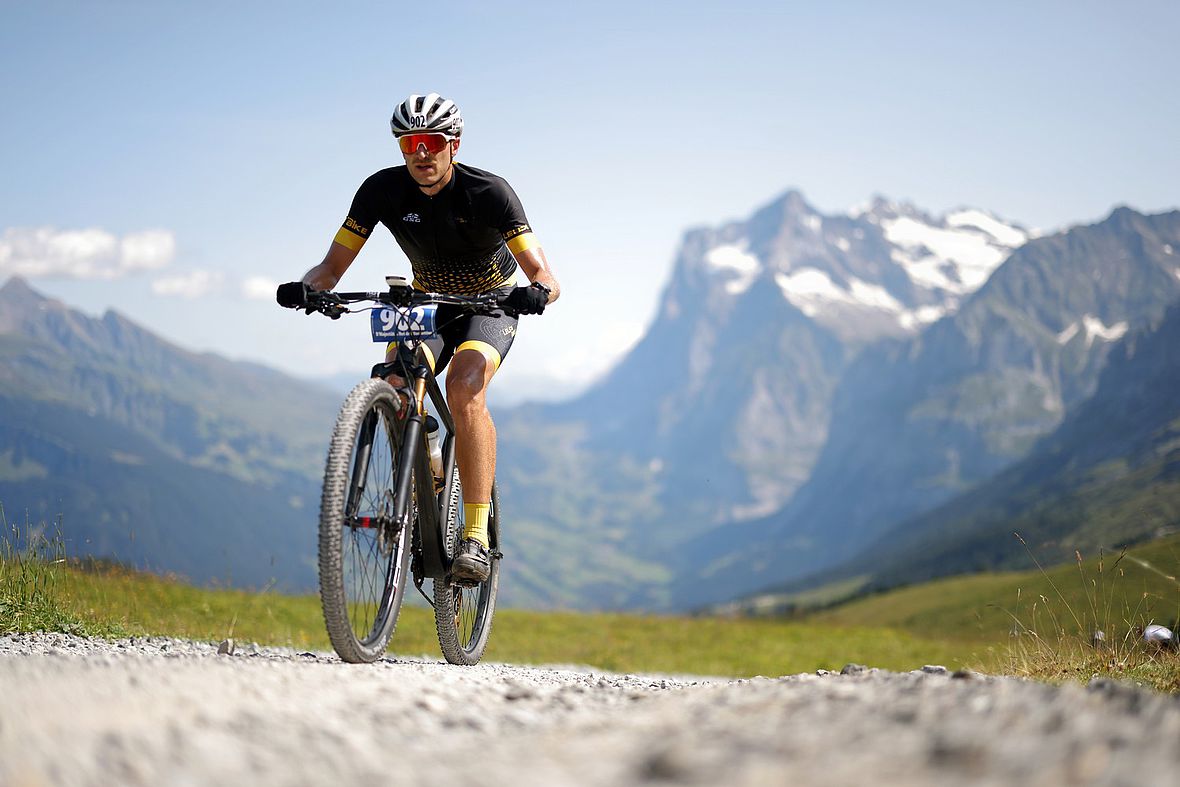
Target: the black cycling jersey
pixel 459 241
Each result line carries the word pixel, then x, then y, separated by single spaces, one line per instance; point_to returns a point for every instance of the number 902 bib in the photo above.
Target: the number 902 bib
pixel 393 323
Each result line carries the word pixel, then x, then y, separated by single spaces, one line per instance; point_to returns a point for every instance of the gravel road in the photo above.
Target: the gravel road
pixel 162 711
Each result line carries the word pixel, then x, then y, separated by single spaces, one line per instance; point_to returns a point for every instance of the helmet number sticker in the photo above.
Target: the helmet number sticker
pixel 417 121
pixel 395 323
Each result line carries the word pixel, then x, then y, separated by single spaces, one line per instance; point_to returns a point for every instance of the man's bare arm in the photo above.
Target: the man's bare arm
pixel 325 275
pixel 532 261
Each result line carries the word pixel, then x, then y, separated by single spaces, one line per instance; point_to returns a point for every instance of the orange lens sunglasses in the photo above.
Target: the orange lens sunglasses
pixel 434 143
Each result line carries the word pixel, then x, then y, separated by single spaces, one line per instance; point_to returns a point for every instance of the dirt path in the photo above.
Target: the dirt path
pixel 148 712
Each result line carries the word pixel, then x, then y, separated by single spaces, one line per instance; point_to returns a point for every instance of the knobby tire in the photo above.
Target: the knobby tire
pixel 363 554
pixel 463 615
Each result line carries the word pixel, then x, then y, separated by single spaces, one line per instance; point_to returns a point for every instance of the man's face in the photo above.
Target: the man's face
pixel 429 169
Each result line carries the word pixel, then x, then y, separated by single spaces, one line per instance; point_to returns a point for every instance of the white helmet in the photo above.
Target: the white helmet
pixel 430 114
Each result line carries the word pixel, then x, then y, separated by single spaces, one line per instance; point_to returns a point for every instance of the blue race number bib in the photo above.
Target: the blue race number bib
pixel 393 324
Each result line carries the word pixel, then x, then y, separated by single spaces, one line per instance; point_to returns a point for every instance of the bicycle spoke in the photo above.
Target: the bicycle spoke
pixel 463 613
pixel 370 551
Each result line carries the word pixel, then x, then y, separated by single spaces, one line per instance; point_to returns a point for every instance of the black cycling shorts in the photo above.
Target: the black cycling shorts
pixel 490 336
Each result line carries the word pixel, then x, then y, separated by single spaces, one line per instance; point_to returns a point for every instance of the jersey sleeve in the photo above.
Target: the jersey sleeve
pixel 514 225
pixel 362 217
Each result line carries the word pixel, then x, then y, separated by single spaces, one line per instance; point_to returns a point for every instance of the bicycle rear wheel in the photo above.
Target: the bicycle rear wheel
pixel 463 613
pixel 363 553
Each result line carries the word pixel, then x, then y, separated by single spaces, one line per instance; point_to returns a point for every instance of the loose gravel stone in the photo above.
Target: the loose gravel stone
pixel 164 711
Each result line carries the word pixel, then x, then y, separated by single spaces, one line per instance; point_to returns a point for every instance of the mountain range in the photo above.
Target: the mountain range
pixel 813 386
pixel 918 421
pixel 159 457
pixel 788 407
pixel 1107 477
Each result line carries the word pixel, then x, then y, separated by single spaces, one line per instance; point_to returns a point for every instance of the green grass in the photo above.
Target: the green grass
pixel 30 596
pixel 1141 587
pixel 1039 623
pixel 112 601
pixel 1027 623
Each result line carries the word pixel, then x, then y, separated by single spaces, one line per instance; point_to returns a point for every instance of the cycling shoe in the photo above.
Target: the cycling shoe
pixel 473 563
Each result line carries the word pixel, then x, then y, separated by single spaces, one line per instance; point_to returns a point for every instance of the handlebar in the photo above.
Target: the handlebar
pixel 334 304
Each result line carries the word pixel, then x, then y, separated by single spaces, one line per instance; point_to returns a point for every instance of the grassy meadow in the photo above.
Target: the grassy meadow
pixel 1041 623
pixel 1036 623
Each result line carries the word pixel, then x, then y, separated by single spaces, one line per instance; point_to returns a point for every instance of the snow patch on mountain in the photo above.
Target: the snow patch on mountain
pixel 736 263
pixel 1096 329
pixel 1005 234
pixel 937 258
pixel 915 319
pixel 1093 328
pixel 808 289
pixel 811 290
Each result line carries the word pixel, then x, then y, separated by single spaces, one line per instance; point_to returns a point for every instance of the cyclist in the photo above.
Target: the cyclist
pixel 464 232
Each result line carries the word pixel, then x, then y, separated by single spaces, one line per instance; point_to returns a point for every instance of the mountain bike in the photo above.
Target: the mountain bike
pixel 384 515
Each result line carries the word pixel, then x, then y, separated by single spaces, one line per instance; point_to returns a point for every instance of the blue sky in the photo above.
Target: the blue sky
pixel 224 141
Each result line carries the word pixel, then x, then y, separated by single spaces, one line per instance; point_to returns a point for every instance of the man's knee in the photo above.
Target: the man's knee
pixel 467 381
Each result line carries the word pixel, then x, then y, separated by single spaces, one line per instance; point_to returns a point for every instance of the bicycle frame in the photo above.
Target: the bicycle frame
pixel 414 464
pixel 413 456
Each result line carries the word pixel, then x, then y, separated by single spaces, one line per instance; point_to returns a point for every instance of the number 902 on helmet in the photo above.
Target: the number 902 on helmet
pixel 429 114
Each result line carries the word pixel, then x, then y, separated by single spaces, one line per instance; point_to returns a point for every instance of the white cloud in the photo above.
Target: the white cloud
pixel 259 288
pixel 46 252
pixel 147 250
pixel 194 284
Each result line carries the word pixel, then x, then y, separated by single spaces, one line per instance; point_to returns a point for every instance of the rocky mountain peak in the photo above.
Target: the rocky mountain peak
pixel 879 207
pixel 885 269
pixel 17 287
pixel 22 307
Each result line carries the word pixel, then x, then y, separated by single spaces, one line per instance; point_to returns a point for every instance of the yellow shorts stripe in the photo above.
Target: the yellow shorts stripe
pixel 349 239
pixel 523 243
pixel 483 348
pixel 429 355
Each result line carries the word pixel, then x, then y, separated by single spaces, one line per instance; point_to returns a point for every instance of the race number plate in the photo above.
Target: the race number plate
pixel 393 324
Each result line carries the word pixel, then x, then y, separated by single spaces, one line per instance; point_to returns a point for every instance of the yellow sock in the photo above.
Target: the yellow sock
pixel 475 517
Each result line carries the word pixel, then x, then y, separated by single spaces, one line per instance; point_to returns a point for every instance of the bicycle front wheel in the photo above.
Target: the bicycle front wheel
pixel 363 553
pixel 463 613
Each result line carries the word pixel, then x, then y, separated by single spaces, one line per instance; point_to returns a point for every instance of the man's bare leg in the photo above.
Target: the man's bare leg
pixel 475 450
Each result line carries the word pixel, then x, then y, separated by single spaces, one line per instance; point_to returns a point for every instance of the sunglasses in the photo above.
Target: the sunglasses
pixel 434 143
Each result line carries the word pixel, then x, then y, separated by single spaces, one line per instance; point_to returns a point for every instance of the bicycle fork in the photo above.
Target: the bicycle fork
pixel 411 444
pixel 360 468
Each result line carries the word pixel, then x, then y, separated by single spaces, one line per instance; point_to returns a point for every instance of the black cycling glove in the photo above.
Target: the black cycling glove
pixel 293 294
pixel 527 300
